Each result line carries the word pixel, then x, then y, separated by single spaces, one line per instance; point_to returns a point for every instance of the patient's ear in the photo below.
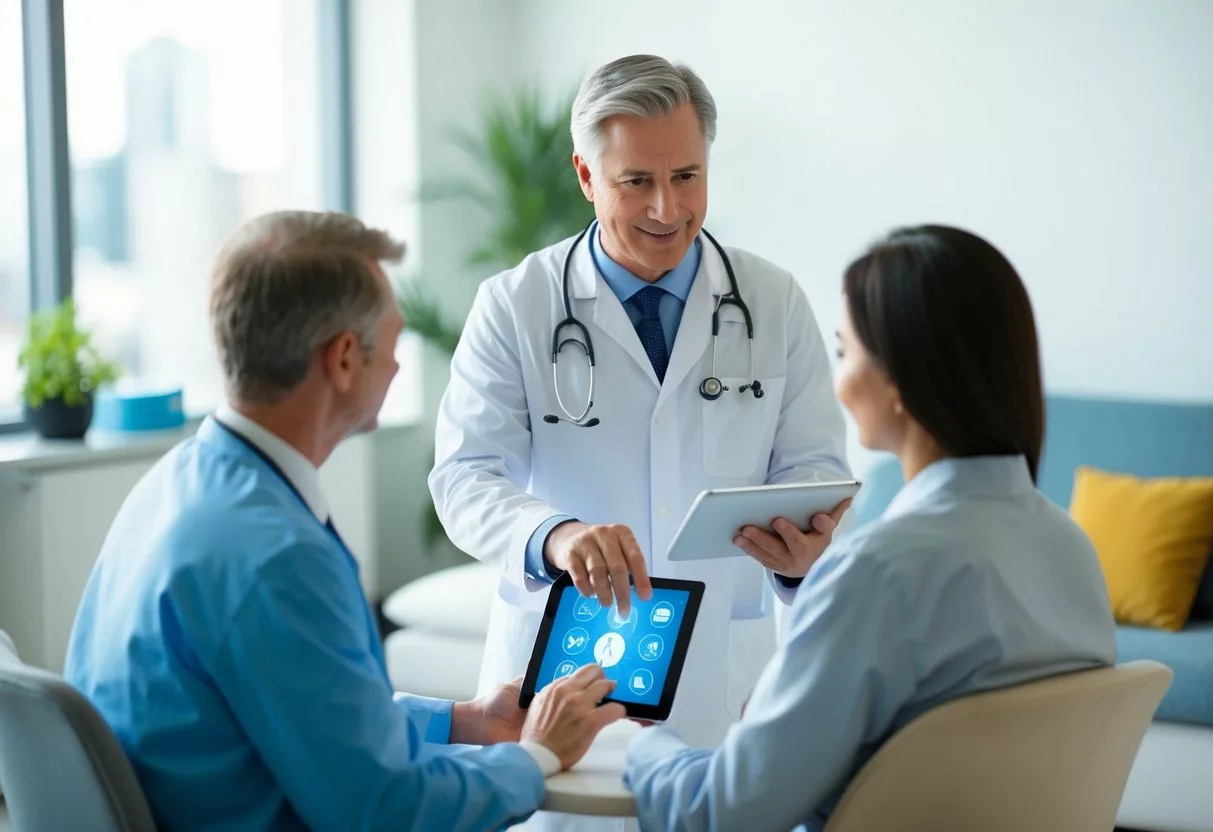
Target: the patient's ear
pixel 341 360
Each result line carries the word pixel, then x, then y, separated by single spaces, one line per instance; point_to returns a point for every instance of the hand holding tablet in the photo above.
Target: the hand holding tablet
pixel 642 652
pixel 714 520
pixel 785 548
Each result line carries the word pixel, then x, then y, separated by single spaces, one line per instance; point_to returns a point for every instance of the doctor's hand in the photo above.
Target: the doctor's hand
pixel 599 560
pixel 565 716
pixel 789 551
pixel 489 719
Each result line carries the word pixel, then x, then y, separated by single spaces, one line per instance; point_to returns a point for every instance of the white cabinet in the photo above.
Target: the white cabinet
pixel 53 521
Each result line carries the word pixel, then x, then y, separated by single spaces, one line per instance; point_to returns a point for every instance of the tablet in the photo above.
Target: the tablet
pixel 642 654
pixel 718 514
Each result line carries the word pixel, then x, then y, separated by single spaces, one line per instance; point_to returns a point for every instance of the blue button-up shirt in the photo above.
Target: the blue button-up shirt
pixel 225 639
pixel 971 580
pixel 624 285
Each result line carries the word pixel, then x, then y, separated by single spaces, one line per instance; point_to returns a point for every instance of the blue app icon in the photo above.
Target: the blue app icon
pixel 618 622
pixel 641 681
pixel 575 641
pixel 662 614
pixel 651 647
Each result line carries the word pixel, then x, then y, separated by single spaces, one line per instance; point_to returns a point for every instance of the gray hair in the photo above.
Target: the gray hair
pixel 638 85
pixel 286 284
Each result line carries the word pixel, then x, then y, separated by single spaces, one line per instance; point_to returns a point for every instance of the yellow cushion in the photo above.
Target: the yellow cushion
pixel 1153 538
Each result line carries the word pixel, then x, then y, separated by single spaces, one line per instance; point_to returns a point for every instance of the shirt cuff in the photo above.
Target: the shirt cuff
pixel 438 726
pixel 547 760
pixel 537 567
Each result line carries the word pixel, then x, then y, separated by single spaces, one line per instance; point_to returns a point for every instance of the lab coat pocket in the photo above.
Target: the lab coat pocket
pixel 739 430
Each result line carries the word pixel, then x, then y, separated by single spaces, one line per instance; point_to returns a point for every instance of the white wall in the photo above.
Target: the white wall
pixel 1076 136
pixel 421 67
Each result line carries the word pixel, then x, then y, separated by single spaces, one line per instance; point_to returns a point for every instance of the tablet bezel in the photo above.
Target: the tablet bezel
pixel 710 504
pixel 657 713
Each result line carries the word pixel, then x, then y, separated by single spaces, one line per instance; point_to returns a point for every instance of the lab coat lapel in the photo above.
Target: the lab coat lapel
pixel 695 329
pixel 609 315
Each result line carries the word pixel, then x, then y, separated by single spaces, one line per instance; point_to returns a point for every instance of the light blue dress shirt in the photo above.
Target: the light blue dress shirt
pixel 677 284
pixel 224 636
pixel 971 580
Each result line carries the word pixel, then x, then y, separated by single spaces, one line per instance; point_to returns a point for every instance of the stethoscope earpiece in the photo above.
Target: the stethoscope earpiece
pixel 711 388
pixel 755 386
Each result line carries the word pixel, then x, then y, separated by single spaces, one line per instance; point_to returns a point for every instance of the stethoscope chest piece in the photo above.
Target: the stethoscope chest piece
pixel 711 388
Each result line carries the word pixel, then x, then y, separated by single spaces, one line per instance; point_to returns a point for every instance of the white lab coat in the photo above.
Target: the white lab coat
pixel 501 471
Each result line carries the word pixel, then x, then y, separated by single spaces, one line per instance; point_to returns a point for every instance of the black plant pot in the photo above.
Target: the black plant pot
pixel 56 420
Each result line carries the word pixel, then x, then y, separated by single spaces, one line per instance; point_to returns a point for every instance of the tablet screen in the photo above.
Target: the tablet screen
pixel 635 653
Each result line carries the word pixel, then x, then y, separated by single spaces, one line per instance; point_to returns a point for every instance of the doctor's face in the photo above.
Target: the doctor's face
pixel 649 189
pixel 866 391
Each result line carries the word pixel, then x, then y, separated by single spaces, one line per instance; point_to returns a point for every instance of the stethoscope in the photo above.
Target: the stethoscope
pixel 711 388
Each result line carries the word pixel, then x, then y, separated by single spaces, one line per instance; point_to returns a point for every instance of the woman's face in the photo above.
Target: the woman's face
pixel 867 392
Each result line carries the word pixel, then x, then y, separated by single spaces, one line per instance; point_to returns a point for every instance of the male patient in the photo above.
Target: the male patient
pixel 224 634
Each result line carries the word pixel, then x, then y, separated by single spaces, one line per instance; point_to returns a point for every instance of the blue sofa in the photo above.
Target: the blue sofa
pixel 1171 786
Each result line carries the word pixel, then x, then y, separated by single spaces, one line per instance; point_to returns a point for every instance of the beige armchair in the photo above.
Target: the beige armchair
pixel 1050 756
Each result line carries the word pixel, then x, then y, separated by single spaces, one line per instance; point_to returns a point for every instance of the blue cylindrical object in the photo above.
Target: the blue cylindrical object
pixel 138 409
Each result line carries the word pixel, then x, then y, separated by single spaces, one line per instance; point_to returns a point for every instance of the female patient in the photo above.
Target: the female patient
pixel 970 580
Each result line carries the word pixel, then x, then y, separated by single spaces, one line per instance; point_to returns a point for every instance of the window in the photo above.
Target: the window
pixel 14 206
pixel 184 120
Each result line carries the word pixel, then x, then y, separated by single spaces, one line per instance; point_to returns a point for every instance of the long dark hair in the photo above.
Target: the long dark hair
pixel 945 314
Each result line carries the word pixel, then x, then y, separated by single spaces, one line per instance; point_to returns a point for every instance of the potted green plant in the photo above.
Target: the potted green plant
pixel 62 371
pixel 521 175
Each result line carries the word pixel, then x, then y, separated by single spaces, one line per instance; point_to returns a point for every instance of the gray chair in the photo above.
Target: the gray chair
pixel 61 766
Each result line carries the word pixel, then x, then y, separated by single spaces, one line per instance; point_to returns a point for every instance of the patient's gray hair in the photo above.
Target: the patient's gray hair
pixel 638 85
pixel 286 284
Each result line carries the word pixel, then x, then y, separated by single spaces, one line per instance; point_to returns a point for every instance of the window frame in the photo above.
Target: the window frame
pixel 48 160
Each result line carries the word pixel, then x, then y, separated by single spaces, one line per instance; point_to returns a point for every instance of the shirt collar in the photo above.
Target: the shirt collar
pixel 972 477
pixel 677 281
pixel 297 468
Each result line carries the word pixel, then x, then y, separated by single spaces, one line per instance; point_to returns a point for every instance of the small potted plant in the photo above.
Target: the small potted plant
pixel 62 371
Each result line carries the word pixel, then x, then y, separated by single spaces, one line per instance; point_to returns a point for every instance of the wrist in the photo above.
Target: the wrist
pixel 553 547
pixel 467 723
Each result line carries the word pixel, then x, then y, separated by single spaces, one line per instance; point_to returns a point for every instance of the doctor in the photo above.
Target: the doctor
pixel 586 461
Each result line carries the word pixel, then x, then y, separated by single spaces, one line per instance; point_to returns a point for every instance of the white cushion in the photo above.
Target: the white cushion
pixel 452 601
pixel 8 652
pixel 432 664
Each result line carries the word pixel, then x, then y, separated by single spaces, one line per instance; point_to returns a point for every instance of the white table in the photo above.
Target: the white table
pixel 595 785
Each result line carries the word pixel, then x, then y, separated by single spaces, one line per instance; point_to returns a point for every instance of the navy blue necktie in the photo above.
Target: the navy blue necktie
pixel 328 524
pixel 652 337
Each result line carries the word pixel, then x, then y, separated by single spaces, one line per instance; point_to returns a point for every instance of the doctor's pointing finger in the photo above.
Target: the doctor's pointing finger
pixel 600 559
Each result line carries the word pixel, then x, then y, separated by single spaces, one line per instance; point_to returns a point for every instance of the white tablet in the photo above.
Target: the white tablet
pixel 719 513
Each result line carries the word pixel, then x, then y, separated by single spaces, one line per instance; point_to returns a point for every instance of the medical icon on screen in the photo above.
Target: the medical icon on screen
pixel 575 641
pixel 608 650
pixel 565 668
pixel 662 614
pixel 641 681
pixel 619 623
pixel 651 647
pixel 587 609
